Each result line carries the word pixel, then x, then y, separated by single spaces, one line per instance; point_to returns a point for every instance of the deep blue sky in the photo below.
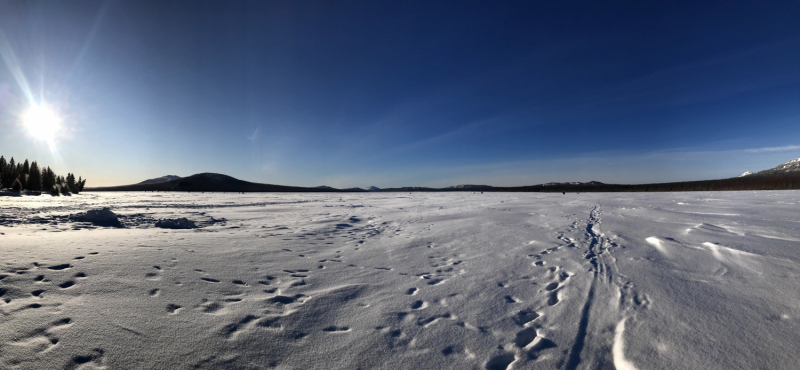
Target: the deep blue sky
pixel 406 93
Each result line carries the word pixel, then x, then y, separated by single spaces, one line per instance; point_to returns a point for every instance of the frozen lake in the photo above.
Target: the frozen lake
pixel 403 281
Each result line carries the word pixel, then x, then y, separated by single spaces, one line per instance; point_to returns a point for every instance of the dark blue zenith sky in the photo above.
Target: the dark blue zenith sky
pixel 404 93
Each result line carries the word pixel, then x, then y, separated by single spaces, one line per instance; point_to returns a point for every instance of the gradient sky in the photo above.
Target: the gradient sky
pixel 405 93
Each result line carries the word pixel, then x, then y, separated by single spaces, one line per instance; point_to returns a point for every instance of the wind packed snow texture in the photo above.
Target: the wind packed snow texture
pixel 403 281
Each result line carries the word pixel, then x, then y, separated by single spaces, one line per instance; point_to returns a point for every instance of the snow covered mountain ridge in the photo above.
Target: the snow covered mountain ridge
pixel 159 180
pixel 785 168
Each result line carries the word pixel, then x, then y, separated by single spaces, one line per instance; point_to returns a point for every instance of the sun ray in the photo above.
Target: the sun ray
pixel 13 66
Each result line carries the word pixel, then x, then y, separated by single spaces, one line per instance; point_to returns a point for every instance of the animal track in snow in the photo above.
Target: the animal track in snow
pixel 553 299
pixel 525 316
pixel 419 305
pixel 281 299
pixel 525 337
pixel 173 308
pixel 270 323
pixel 210 307
pixel 96 356
pixel 230 330
pixel 538 346
pixel 500 362
pixel 40 339
pixel 433 319
pixel 336 329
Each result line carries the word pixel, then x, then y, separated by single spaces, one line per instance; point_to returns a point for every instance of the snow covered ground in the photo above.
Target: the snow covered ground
pixel 403 281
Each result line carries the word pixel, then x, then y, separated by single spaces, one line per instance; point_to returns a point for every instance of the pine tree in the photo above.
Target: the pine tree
pixel 8 178
pixel 73 187
pixel 47 183
pixel 31 176
pixel 34 178
pixel 18 173
pixel 51 183
pixel 3 165
pixel 62 184
pixel 17 186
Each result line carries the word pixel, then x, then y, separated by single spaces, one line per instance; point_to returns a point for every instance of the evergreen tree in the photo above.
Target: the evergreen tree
pixel 51 177
pixel 62 184
pixel 31 176
pixel 18 173
pixel 3 166
pixel 73 187
pixel 8 178
pixel 17 186
pixel 34 178
pixel 52 182
pixel 48 179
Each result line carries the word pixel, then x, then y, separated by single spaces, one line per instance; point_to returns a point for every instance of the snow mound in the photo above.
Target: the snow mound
pixel 176 223
pixel 746 173
pixel 99 217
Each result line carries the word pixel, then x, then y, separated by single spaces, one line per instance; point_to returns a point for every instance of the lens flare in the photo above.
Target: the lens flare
pixel 42 123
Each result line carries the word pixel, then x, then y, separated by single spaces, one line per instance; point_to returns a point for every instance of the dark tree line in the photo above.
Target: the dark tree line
pixel 29 176
pixel 780 181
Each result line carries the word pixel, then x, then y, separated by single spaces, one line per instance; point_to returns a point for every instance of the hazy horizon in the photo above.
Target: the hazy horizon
pixel 393 94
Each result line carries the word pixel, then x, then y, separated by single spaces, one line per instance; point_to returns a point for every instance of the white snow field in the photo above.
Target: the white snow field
pixel 403 281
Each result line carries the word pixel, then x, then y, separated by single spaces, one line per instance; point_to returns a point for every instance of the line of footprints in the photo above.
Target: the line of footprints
pixel 281 304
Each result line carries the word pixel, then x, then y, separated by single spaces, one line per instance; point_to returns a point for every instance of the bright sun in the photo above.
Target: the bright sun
pixel 42 123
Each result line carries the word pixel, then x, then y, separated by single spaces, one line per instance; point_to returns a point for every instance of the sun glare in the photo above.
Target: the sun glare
pixel 42 123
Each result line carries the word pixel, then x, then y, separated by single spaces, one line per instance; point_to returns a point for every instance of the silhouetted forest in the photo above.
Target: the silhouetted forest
pixel 32 177
pixel 752 182
pixel 786 181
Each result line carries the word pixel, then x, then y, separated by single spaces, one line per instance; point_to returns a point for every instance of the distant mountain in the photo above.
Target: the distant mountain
pixel 159 180
pixel 791 167
pixel 573 183
pixel 783 177
pixel 746 173
pixel 467 187
pixel 211 182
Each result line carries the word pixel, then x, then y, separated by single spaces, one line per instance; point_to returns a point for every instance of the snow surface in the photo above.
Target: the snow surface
pixel 403 281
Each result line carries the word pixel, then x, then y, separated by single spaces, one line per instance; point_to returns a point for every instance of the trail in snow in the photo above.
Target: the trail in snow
pixel 403 281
